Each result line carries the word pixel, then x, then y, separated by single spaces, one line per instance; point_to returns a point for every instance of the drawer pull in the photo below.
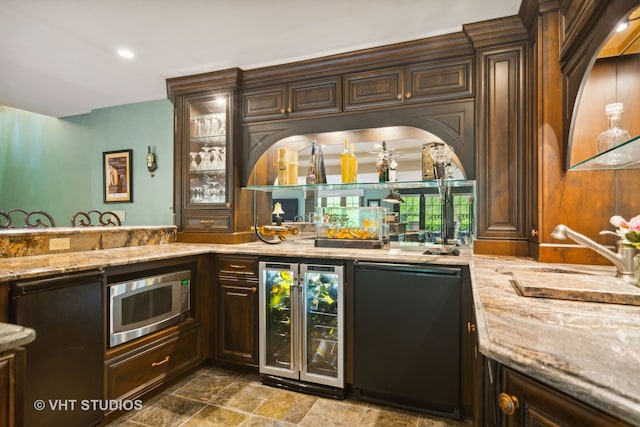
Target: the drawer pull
pixel 254 289
pixel 238 266
pixel 508 404
pixel 162 362
pixel 206 222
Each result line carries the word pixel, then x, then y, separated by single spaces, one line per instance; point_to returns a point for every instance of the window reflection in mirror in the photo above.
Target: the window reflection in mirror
pixel 614 78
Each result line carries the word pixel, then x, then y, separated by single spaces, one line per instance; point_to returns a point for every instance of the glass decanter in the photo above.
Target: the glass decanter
pixel 614 135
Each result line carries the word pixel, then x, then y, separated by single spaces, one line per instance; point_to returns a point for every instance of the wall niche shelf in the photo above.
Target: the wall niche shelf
pixel 623 156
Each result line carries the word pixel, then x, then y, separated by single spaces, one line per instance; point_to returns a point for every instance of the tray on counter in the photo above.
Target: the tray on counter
pixel 574 287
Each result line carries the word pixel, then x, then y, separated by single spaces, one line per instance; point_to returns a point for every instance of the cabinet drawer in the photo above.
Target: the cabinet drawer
pixel 139 371
pixel 199 222
pixel 244 266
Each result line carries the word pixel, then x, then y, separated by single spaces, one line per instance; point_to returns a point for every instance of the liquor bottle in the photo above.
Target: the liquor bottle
pixel 321 177
pixel 354 165
pixel 283 163
pixel 311 170
pixel 382 163
pixel 345 163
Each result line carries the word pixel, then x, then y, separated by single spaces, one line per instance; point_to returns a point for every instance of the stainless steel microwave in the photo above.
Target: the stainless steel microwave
pixel 148 304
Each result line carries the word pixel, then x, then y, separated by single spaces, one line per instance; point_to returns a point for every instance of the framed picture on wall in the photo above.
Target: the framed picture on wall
pixel 373 203
pixel 118 186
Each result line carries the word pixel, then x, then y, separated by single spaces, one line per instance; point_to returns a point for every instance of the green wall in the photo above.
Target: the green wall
pixel 56 164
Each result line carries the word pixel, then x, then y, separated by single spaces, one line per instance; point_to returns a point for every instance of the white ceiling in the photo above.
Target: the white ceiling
pixel 58 57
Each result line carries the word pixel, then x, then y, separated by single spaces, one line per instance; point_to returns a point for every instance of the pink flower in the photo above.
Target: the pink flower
pixel 634 223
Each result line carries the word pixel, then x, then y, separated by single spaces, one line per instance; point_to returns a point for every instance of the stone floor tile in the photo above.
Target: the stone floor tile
pixel 169 411
pixel 284 405
pixel 216 416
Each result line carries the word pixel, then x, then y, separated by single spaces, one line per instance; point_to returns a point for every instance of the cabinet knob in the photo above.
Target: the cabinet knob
pixel 534 232
pixel 254 289
pixel 471 327
pixel 206 222
pixel 399 96
pixel 282 110
pixel 508 404
pixel 289 110
pixel 407 95
pixel 228 204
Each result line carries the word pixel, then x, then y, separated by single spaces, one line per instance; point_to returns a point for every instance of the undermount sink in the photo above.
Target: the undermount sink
pixel 510 270
pixel 573 284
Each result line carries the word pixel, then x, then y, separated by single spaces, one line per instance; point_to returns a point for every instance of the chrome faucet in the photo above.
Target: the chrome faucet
pixel 622 259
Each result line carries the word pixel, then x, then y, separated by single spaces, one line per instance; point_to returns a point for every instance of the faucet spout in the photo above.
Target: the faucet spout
pixel 623 259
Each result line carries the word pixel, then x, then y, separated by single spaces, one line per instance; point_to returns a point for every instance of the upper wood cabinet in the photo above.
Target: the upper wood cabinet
pixel 207 199
pixel 296 99
pixel 423 82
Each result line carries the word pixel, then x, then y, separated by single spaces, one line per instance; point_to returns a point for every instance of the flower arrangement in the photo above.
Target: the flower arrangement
pixel 629 231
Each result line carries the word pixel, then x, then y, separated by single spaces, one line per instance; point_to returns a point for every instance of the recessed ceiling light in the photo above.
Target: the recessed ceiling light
pixel 125 53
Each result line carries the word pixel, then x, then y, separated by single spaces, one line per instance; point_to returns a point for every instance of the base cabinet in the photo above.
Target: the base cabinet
pixel 523 401
pixel 11 381
pixel 148 364
pixel 237 322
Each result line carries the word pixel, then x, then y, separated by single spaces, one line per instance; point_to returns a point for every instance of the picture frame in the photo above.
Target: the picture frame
pixel 373 203
pixel 117 176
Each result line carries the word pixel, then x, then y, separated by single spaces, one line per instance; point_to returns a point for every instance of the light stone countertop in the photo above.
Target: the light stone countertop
pixel 13 336
pixel 590 351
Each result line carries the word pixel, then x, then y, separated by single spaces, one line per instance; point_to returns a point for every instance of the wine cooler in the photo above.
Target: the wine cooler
pixel 301 327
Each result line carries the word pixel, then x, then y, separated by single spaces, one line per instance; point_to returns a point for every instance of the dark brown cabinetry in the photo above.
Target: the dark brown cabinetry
pixel 11 380
pixel 237 325
pixel 133 370
pixel 293 100
pixel 526 402
pixel 423 82
pixel 206 195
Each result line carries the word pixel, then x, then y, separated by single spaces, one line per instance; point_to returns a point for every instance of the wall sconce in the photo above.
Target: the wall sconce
pixel 151 161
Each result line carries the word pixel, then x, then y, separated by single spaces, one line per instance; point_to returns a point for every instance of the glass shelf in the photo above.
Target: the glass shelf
pixel 623 156
pixel 452 183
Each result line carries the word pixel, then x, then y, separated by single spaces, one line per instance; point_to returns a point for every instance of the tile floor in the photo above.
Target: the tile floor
pixel 217 397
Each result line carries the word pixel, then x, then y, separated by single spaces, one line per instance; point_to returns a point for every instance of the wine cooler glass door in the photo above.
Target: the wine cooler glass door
pixel 278 293
pixel 322 336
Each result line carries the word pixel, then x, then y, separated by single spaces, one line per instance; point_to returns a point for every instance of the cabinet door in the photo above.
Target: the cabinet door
pixel 238 323
pixel 264 104
pixel 525 402
pixel 374 89
pixel 11 382
pixel 436 81
pixel 315 97
pixel 206 183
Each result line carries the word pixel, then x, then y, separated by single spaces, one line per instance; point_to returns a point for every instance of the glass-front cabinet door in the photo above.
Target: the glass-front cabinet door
pixel 278 313
pixel 207 190
pixel 207 151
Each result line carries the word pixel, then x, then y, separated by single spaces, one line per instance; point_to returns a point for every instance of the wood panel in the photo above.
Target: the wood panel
pixel 500 143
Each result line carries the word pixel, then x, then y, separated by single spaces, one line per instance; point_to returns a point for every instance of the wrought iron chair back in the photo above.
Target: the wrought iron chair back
pixel 32 219
pixel 84 219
